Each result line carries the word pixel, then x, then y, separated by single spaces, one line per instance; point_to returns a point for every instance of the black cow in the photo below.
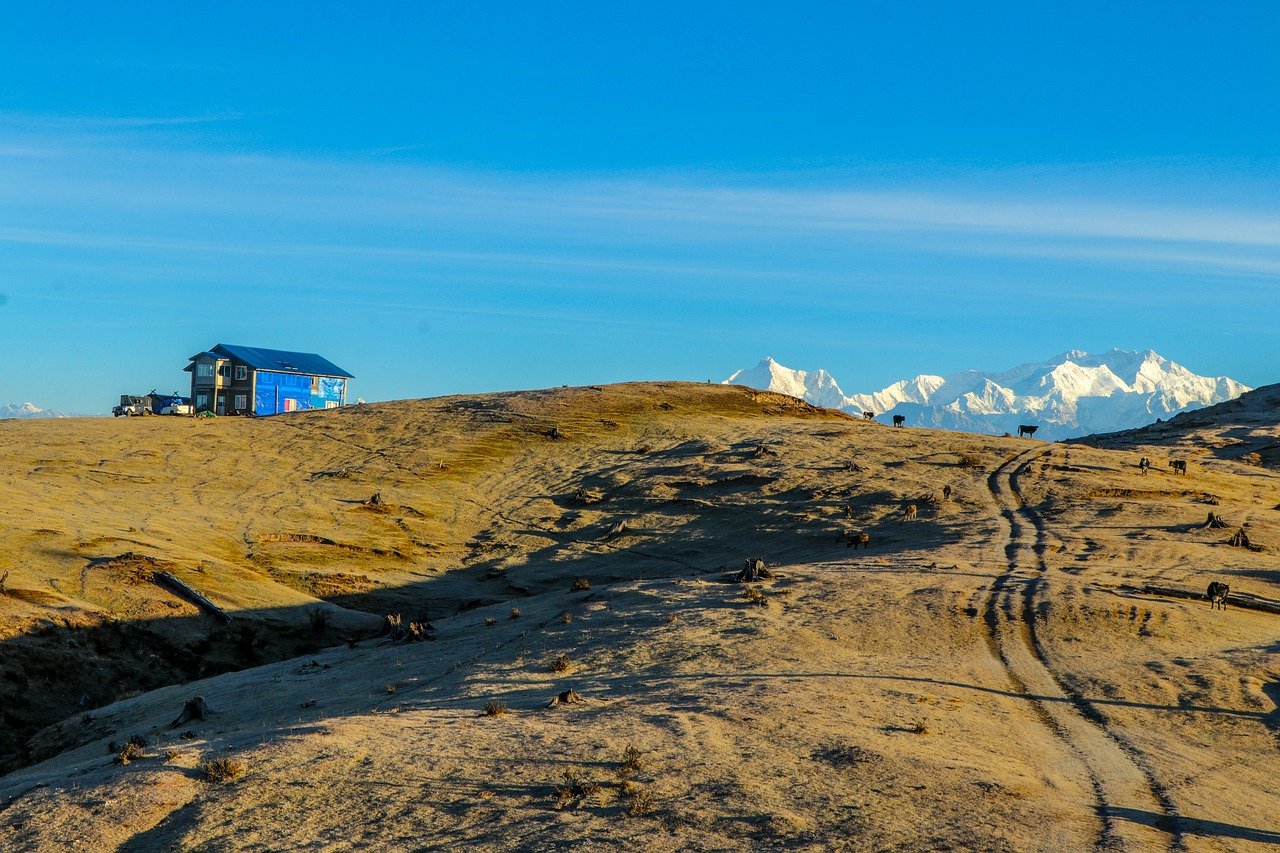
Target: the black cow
pixel 1179 466
pixel 899 420
pixel 1217 594
pixel 868 415
pixel 1028 430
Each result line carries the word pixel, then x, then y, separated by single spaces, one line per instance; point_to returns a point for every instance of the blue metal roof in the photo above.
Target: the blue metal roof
pixel 307 363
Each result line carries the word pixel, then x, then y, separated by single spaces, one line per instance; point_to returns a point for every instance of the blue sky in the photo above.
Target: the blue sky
pixel 449 198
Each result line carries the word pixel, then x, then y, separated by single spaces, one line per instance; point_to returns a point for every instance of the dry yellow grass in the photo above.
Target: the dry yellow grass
pixel 989 676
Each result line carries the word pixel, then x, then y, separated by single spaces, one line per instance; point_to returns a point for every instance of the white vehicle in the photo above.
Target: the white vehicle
pixel 130 405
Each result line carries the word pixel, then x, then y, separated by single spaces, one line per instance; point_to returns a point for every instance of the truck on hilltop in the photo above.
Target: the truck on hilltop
pixel 152 404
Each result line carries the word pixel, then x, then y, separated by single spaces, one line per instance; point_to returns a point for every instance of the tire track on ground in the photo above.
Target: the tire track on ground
pixel 1122 781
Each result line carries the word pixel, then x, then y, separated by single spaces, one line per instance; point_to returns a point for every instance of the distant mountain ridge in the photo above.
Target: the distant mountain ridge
pixel 29 410
pixel 1071 395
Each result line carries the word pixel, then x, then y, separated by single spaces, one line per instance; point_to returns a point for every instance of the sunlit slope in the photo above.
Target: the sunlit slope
pixel 996 673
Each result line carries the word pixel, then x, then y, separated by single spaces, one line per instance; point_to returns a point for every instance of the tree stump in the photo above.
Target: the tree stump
pixel 753 571
pixel 1240 539
pixel 375 500
pixel 568 697
pixel 616 529
pixel 1214 520
pixel 194 709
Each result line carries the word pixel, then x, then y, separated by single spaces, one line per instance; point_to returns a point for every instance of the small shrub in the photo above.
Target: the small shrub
pixel 630 761
pixel 494 708
pixel 171 754
pixel 490 622
pixel 561 664
pixel 579 585
pixel 567 617
pixel 672 619
pixel 970 460
pixel 318 618
pixel 575 788
pixel 130 752
pixel 639 801
pixel 918 728
pixel 219 770
pixel 515 613
pixel 391 688
pixel 756 596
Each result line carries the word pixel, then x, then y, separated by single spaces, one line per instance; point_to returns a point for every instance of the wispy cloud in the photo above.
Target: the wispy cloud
pixel 106 193
pixel 43 124
pixel 214 200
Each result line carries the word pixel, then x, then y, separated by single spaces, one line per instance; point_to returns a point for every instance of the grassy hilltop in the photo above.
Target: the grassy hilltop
pixel 1019 667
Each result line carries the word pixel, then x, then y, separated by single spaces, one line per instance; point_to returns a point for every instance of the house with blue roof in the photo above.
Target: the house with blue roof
pixel 236 380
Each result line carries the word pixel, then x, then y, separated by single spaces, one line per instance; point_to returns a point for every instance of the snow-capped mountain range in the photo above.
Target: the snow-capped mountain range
pixel 1071 395
pixel 29 410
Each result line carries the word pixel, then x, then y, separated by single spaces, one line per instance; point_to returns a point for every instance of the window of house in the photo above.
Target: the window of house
pixel 224 370
pixel 315 384
pixel 242 401
pixel 204 370
pixel 242 372
pixel 202 401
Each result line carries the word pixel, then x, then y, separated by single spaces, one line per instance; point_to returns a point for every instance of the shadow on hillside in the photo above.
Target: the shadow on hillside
pixel 61 671
pixel 1194 826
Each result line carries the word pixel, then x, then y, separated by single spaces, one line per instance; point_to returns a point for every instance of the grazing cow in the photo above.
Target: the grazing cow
pixel 946 492
pixel 1217 594
pixel 1145 465
pixel 856 539
pixel 1029 430
pixel 1179 466
pixel 899 420
pixel 909 514
pixel 868 415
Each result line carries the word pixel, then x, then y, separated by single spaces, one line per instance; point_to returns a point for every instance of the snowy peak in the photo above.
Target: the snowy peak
pixel 818 388
pixel 1072 394
pixel 28 410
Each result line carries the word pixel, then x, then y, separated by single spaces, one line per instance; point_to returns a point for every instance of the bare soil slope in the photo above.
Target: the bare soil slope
pixel 1021 666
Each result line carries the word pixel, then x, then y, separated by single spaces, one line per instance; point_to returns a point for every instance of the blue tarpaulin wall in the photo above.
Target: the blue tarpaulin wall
pixel 284 392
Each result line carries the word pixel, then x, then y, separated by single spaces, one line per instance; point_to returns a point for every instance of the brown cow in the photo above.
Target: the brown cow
pixel 909 514
pixel 856 539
